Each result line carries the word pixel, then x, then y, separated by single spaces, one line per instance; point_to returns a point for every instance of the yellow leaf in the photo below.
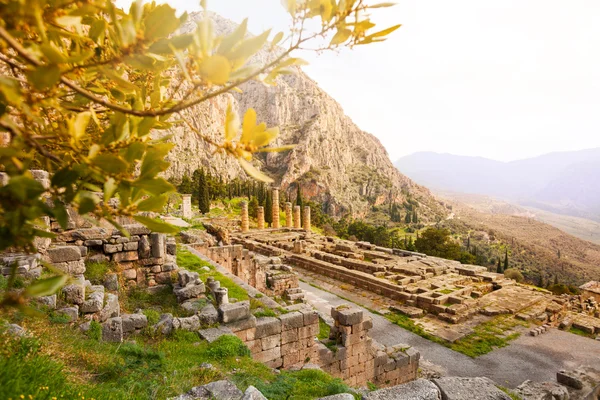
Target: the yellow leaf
pixel 263 138
pixel 385 32
pixel 216 69
pixel 382 5
pixel 277 39
pixel 232 124
pixel 341 36
pixel 249 125
pixel 290 6
pixel 231 41
pixel 248 48
pixel 253 172
pixel 276 149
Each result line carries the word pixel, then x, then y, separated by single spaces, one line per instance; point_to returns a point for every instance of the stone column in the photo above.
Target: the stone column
pixel 260 217
pixel 245 221
pixel 306 218
pixel 275 208
pixel 288 215
pixel 297 221
pixel 221 295
pixel 186 206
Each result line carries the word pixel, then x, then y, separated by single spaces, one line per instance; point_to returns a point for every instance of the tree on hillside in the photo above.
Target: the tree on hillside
pixel 438 243
pixel 408 217
pixel 499 268
pixel 203 193
pixel 185 187
pixel 415 218
pixel 82 85
pixel 269 208
pixel 253 207
pixel 505 259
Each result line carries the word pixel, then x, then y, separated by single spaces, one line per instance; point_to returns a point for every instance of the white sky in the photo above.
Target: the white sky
pixel 503 79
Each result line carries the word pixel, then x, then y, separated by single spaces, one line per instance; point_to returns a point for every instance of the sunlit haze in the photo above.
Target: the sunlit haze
pixel 498 79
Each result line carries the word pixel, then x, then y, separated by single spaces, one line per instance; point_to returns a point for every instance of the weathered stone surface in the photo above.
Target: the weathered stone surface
pixel 74 294
pixel 291 320
pixel 64 254
pixel 189 292
pixel 172 248
pixel 455 388
pixel 113 248
pixel 111 308
pixel 94 301
pixel 231 312
pixel 164 324
pixel 158 244
pixel 144 247
pixel 421 389
pixel 48 301
pixel 71 312
pixel 341 396
pixel 111 282
pixel 221 390
pixel 529 390
pixel 208 315
pixel 131 246
pixel 71 267
pixel 16 330
pixel 125 256
pixel 347 315
pixel 184 277
pixel 253 393
pixel 212 334
pixel 187 324
pixel 112 330
pixel 267 326
pixel 133 322
pixel 569 379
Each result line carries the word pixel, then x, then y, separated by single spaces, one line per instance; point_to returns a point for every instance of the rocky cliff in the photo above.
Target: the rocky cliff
pixel 334 161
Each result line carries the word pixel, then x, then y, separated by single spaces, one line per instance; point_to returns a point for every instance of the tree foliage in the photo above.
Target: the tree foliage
pixel 83 83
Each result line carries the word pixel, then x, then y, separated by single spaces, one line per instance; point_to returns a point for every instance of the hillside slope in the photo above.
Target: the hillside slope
pixel 564 182
pixel 335 162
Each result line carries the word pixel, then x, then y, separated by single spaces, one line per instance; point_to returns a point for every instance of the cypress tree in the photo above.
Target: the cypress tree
pixel 203 193
pixel 499 267
pixel 415 219
pixel 506 259
pixel 185 187
pixel 408 217
pixel 468 243
pixel 269 208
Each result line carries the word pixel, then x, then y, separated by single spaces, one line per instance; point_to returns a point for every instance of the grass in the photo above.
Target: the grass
pixel 485 338
pixel 324 329
pixel 62 362
pixel 581 332
pixel 445 291
pixel 162 300
pixel 187 260
pixel 95 272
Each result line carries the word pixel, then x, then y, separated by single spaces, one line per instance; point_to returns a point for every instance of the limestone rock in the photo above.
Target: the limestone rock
pixel 187 324
pixel 341 396
pixel 455 388
pixel 71 312
pixel 253 393
pixel 48 301
pixel 420 389
pixel 111 308
pixel 222 390
pixel 133 322
pixel 208 315
pixel 74 294
pixel 212 334
pixel 111 282
pixel 231 312
pixel 64 254
pixel 112 330
pixel 529 390
pixel 94 301
pixel 164 324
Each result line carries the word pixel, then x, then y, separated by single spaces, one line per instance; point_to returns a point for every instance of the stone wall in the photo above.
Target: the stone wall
pixel 357 359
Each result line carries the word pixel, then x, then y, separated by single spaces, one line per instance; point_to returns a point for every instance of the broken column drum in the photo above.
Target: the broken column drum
pixel 213 284
pixel 186 206
pixel 297 221
pixel 245 221
pixel 288 215
pixel 306 218
pixel 260 217
pixel 221 295
pixel 275 208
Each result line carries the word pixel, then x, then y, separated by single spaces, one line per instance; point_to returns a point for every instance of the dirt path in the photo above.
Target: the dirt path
pixel 536 358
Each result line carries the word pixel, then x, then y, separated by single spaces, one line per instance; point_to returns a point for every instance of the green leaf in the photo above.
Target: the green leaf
pixel 154 162
pixel 109 189
pixel 110 163
pixel 86 205
pixel 145 126
pixel 64 177
pixel 52 53
pixel 156 186
pixel 156 225
pixel 160 22
pixel 46 287
pixel 163 46
pixel 44 77
pixel 61 214
pixel 78 126
pixel 154 203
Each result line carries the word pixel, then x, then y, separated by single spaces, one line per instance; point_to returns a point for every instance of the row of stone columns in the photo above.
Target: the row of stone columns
pixel 292 219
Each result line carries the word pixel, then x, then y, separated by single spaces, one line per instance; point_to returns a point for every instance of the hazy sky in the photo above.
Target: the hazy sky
pixel 503 79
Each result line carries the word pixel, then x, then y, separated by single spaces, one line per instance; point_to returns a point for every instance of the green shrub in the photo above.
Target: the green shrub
pixel 95 331
pixel 265 313
pixel 3 282
pixel 227 346
pixel 152 316
pixel 59 318
pixel 302 385
pixel 515 274
pixel 258 295
pixel 95 272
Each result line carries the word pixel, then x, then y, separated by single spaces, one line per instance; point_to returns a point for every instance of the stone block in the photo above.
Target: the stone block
pixel 346 315
pixel 93 243
pixel 189 292
pixel 94 301
pixel 165 277
pixel 244 325
pixel 130 274
pixel 191 324
pixel 341 396
pixel 113 248
pixel 48 301
pixel 64 254
pixel 74 294
pixel 224 390
pixel 133 322
pixel 71 267
pixel 291 320
pixel 253 393
pixel 310 316
pixel 111 282
pixel 184 277
pixel 542 391
pixel 112 330
pixel 267 326
pixel 172 248
pixel 125 256
pixel 169 267
pixel 164 324
pixel 270 342
pixel 131 246
pixel 158 244
pixel 421 389
pixel 144 247
pixel 111 308
pixel 208 315
pixel 71 312
pixel 569 379
pixel 291 335
pixel 455 388
pixel 212 334
pixel 268 355
pixel 231 312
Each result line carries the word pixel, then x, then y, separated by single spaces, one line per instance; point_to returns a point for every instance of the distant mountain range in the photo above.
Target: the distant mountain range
pixel 563 182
